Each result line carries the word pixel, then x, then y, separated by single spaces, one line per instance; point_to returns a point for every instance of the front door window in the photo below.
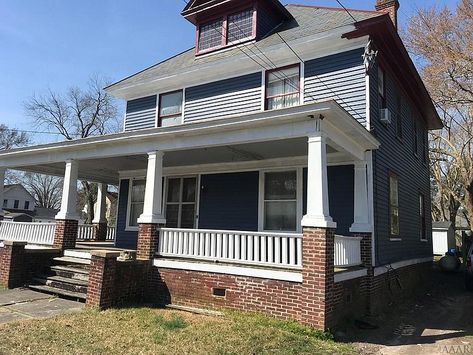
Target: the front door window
pixel 181 202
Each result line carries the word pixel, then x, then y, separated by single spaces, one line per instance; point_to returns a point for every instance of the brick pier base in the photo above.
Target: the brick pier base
pixel 148 235
pixel 100 232
pixel 65 235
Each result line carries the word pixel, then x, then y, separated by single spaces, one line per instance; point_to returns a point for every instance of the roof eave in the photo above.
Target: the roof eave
pixel 381 27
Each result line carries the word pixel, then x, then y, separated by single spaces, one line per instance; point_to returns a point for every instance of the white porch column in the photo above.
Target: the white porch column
pixel 318 213
pixel 153 204
pixel 2 185
pixel 69 192
pixel 361 217
pixel 101 205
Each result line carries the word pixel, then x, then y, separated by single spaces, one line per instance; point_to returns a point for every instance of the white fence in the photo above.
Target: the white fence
pixel 283 250
pixel 86 232
pixel 347 251
pixel 32 233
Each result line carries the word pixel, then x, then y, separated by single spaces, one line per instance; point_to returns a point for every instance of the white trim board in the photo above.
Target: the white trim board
pixel 350 275
pixel 230 270
pixel 380 270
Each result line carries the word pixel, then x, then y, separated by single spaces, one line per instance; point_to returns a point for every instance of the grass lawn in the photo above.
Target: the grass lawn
pixel 159 331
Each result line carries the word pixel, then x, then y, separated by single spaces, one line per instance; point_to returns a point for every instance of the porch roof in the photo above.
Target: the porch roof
pixel 128 150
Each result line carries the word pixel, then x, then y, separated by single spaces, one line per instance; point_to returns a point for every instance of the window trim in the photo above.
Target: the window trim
pixel 268 72
pixel 393 237
pixel 26 205
pixel 160 117
pixel 180 203
pixel 382 96
pixel 16 204
pixel 299 198
pixel 224 29
pixel 5 203
pixel 422 218
pixel 416 137
pixel 399 120
pixel 128 227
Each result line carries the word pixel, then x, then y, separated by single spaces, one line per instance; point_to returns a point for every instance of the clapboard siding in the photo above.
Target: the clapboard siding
pixel 141 113
pixel 229 201
pixel 124 238
pixel 340 77
pixel 398 156
pixel 341 192
pixel 266 22
pixel 224 98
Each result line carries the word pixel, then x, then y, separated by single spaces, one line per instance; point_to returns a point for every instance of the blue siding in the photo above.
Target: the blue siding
pixel 229 201
pixel 124 239
pixel 224 98
pixel 397 155
pixel 341 189
pixel 141 113
pixel 340 77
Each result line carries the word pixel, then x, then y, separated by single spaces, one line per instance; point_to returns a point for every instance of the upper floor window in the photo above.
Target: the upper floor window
pixel 170 109
pixel 16 203
pixel 27 205
pixel 399 117
pixel 425 146
pixel 382 87
pixel 5 203
pixel 229 29
pixel 422 218
pixel 283 87
pixel 416 138
pixel 394 205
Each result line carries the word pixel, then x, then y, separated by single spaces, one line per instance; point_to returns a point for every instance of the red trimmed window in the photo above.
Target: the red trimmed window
pixel 283 87
pixel 231 28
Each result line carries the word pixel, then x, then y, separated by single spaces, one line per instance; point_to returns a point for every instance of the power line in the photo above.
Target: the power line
pixel 348 12
pixel 29 131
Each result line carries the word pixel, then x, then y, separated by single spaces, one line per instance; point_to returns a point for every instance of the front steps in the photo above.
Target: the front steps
pixel 67 277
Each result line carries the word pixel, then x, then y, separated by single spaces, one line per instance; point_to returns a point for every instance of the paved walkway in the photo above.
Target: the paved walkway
pixel 440 322
pixel 20 304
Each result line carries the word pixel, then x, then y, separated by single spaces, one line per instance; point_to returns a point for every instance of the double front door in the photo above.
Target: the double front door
pixel 181 202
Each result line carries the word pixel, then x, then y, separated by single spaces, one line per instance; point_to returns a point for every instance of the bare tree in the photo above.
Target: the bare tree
pixel 79 113
pixel 11 138
pixel 45 189
pixel 442 41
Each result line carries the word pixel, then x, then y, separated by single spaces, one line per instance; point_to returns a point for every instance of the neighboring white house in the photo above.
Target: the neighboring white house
pixel 443 236
pixel 16 197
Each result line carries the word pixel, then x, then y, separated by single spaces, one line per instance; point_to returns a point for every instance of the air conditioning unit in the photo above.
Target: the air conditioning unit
pixel 385 116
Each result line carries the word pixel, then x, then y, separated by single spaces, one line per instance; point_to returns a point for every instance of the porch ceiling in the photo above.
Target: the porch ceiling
pixel 107 169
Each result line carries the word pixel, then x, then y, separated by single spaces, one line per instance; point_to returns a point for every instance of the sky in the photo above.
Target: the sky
pixel 55 44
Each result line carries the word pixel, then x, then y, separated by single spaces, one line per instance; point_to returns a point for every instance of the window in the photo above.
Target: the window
pixel 425 146
pixel 170 109
pixel 181 202
pixel 227 30
pixel 137 199
pixel 416 138
pixel 210 35
pixel 282 88
pixel 422 219
pixel 382 88
pixel 240 26
pixel 280 201
pixel 27 205
pixel 5 203
pixel 394 205
pixel 399 117
pixel 16 204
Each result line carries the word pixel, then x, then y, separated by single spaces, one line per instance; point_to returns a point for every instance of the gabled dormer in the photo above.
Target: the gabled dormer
pixel 224 23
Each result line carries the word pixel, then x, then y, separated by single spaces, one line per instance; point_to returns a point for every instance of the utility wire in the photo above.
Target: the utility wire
pixel 344 8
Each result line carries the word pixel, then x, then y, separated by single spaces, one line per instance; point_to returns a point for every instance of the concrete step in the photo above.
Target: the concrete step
pixel 62 283
pixel 70 272
pixel 68 260
pixel 59 292
pixel 77 253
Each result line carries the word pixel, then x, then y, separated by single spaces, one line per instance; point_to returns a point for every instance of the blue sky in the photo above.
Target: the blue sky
pixel 55 43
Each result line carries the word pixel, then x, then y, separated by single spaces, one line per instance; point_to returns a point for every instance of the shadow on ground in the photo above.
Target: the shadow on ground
pixel 438 321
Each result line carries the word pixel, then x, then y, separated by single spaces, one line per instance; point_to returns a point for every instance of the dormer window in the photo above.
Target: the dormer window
pixel 231 28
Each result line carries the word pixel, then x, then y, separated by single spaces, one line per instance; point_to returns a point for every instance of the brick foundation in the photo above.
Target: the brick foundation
pixel 100 232
pixel 113 282
pixel 18 265
pixel 66 234
pixel 148 235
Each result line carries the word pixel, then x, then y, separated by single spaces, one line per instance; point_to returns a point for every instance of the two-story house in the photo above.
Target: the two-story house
pixel 279 166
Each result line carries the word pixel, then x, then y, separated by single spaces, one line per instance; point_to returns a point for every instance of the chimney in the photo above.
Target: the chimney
pixel 390 7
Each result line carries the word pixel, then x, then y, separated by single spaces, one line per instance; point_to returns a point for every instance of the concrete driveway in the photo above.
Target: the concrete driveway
pixel 20 304
pixel 438 322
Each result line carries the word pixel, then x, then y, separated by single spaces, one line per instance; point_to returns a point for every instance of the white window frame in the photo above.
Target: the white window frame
pixel 128 227
pixel 180 203
pixel 299 198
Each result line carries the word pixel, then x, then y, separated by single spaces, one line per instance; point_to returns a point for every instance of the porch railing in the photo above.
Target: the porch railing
pixel 280 250
pixel 32 233
pixel 86 232
pixel 347 251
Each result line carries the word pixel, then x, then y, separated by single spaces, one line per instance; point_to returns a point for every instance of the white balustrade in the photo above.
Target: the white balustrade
pixel 85 232
pixel 282 250
pixel 32 233
pixel 111 233
pixel 347 251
